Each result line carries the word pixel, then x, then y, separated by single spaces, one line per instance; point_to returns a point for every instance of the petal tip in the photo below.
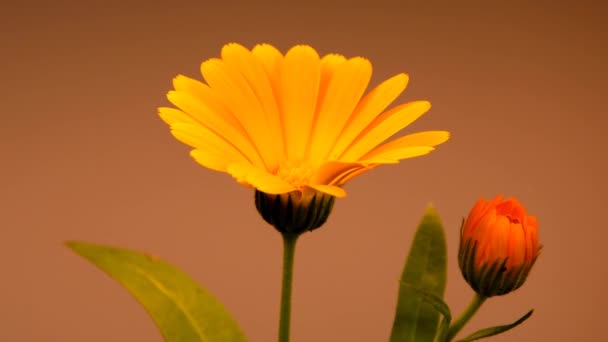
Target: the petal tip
pixel 302 49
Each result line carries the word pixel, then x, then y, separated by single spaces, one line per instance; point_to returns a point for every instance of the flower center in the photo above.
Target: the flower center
pixel 296 173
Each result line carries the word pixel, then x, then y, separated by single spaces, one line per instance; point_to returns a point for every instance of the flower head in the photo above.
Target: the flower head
pixel 498 246
pixel 296 122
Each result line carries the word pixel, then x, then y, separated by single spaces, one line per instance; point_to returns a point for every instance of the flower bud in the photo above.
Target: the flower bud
pixel 294 212
pixel 498 246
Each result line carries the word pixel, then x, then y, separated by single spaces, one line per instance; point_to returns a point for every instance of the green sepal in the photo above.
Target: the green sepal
pixel 487 332
pixel 294 212
pixel 425 270
pixel 180 308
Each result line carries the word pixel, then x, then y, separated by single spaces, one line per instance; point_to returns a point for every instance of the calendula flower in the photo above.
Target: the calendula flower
pixel 498 246
pixel 295 127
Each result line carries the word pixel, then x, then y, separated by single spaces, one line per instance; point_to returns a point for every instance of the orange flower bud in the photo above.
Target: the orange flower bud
pixel 498 246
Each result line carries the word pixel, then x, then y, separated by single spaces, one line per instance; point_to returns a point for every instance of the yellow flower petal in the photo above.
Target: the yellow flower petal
pixel 199 137
pixel 428 138
pixel 330 190
pixel 383 127
pixel 354 173
pixel 215 112
pixel 332 171
pixel 209 118
pixel 248 66
pixel 272 61
pixel 393 156
pixel 300 79
pixel 172 115
pixel 211 161
pixel 329 65
pixel 338 173
pixel 343 93
pixel 239 98
pixel 368 108
pixel 259 179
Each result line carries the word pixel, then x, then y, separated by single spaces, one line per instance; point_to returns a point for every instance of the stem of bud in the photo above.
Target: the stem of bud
pixel 465 316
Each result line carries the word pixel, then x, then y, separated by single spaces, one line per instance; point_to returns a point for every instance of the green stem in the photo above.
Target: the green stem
pixel 465 316
pixel 289 250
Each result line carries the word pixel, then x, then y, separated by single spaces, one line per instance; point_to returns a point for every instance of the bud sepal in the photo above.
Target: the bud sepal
pixel 492 279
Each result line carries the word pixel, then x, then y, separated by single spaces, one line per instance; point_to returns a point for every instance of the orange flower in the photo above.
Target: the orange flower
pixel 498 246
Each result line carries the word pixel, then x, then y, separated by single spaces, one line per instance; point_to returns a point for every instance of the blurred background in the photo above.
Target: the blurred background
pixel 521 86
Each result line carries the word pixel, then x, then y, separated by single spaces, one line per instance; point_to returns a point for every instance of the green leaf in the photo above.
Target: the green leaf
pixel 181 309
pixel 439 305
pixel 425 269
pixel 496 330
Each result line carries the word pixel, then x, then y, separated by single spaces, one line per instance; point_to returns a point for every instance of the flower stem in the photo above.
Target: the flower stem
pixel 465 316
pixel 289 249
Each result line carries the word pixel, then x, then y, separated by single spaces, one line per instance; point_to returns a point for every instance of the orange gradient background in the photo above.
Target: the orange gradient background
pixel 521 86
